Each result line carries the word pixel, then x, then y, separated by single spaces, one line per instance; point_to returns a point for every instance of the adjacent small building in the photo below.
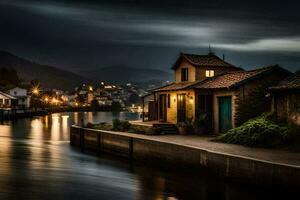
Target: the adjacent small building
pixel 209 89
pixel 23 100
pixel 6 100
pixel 286 99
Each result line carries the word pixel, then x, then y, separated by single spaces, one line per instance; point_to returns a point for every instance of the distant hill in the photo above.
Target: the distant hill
pixel 124 74
pixel 50 77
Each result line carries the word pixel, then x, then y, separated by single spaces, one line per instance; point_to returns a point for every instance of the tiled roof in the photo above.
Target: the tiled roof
pixel 210 60
pixel 290 83
pixel 231 79
pixel 175 86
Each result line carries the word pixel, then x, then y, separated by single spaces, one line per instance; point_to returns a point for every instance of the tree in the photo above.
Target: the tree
pixel 134 99
pixel 116 106
pixel 9 77
pixel 95 105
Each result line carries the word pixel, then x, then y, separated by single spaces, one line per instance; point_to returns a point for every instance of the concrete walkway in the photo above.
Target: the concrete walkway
pixel 269 155
pixel 275 156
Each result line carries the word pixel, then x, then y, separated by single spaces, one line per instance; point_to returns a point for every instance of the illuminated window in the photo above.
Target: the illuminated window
pixel 184 74
pixel 209 73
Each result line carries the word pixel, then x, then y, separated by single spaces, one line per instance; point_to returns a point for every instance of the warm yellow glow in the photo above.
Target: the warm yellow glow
pixel 55 101
pixel 35 90
pixel 91 88
pixel 46 99
pixel 209 73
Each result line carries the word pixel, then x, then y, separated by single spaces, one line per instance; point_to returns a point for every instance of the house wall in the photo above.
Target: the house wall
pixel 216 95
pixel 287 107
pixel 191 68
pixel 4 101
pixel 18 92
pixel 200 71
pixel 253 98
pixel 190 105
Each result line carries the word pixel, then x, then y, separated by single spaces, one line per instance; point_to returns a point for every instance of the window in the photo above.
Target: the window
pixel 6 102
pixel 184 74
pixel 209 73
pixel 169 101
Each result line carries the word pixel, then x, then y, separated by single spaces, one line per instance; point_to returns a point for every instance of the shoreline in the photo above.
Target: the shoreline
pixel 14 114
pixel 160 149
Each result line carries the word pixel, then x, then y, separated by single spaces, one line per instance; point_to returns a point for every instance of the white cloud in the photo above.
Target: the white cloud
pixel 291 44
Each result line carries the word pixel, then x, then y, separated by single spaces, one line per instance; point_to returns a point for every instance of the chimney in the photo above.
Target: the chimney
pixel 210 52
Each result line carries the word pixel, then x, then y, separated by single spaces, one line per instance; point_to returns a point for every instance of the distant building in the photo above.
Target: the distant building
pixel 7 100
pixel 23 100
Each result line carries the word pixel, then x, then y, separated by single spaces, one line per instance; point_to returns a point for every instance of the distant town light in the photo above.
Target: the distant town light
pixel 91 88
pixel 54 101
pixel 35 90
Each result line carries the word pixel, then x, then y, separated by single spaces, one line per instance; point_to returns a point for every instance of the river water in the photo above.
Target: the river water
pixel 37 162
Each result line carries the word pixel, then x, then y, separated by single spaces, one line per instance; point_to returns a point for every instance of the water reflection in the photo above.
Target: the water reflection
pixel 37 162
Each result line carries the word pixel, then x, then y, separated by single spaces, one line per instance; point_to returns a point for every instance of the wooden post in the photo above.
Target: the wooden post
pixel 130 149
pixel 81 132
pixel 143 98
pixel 99 146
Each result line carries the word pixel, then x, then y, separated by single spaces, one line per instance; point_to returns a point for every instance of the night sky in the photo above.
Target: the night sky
pixel 151 34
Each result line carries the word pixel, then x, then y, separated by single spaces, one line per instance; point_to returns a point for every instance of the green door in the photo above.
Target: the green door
pixel 225 113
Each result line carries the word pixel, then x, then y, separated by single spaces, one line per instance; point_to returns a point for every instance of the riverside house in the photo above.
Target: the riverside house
pixel 211 93
pixel 23 99
pixel 6 100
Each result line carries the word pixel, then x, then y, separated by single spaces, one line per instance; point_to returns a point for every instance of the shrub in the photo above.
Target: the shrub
pixel 89 125
pixel 260 131
pixel 119 125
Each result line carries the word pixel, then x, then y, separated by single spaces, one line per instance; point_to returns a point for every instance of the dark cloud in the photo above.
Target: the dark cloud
pixel 140 33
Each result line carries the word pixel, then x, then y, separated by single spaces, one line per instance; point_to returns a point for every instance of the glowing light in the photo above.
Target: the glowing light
pixel 54 101
pixel 91 88
pixel 35 90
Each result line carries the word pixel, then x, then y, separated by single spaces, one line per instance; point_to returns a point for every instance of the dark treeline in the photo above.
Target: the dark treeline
pixel 8 77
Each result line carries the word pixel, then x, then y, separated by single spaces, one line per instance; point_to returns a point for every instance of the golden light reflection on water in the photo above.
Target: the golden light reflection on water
pixel 75 116
pixel 36 130
pixel 55 126
pixel 5 149
pixel 46 121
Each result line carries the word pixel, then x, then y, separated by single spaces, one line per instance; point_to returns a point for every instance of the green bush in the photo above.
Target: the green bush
pixel 89 125
pixel 119 125
pixel 261 132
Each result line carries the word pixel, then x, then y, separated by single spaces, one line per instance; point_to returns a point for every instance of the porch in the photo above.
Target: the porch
pixel 161 128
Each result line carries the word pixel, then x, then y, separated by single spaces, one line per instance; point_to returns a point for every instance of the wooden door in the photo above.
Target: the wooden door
pixel 181 108
pixel 225 113
pixel 162 108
